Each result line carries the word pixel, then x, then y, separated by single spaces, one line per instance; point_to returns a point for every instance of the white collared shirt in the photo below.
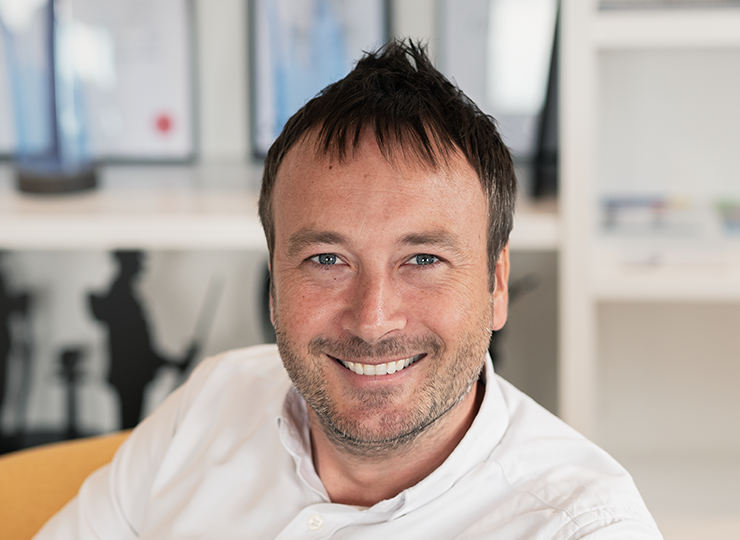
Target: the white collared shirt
pixel 228 456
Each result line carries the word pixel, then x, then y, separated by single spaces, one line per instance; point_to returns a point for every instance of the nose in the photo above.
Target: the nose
pixel 374 309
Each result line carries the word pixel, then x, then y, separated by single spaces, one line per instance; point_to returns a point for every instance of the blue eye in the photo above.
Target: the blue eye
pixel 423 259
pixel 326 259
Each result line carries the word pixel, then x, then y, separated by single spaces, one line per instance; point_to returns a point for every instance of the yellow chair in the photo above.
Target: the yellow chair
pixel 36 483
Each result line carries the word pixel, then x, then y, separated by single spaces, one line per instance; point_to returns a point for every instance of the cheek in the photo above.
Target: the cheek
pixel 304 310
pixel 450 309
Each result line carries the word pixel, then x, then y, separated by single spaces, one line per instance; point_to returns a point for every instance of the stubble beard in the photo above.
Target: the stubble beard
pixel 398 429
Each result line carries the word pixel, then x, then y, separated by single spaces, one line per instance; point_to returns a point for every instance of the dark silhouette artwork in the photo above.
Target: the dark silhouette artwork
pixel 133 360
pixel 71 373
pixel 9 304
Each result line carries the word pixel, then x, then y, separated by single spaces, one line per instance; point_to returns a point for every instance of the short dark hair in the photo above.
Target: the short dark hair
pixel 413 111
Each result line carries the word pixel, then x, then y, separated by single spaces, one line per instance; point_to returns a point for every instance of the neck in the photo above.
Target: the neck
pixel 361 480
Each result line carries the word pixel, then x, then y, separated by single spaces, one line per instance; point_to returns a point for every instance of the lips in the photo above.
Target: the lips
pixel 380 369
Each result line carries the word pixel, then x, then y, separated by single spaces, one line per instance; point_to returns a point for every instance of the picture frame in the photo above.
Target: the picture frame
pixel 300 46
pixel 135 63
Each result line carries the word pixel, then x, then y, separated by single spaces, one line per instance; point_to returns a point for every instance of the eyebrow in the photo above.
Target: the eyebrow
pixel 441 239
pixel 304 238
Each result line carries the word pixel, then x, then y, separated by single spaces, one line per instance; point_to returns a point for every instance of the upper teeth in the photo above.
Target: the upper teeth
pixel 379 369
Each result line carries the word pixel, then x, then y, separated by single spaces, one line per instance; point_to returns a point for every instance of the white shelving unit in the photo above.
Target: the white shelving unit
pixel 689 487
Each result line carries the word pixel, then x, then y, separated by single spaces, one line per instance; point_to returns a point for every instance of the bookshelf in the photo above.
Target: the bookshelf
pixel 639 142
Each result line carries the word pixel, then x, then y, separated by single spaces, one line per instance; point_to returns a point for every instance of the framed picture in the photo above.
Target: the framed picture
pixel 133 60
pixel 500 53
pixel 301 46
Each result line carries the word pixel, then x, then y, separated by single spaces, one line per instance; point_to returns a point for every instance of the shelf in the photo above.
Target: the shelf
pixel 666 28
pixel 175 207
pixel 656 287
pixel 665 284
pixel 152 207
pixel 691 273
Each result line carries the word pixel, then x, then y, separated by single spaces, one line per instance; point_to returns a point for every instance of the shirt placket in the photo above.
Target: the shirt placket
pixel 323 520
pixel 319 521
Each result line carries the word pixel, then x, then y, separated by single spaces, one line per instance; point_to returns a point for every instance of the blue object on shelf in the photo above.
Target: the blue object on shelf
pixel 52 144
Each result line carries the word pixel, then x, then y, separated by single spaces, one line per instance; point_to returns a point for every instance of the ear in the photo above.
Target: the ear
pixel 271 292
pixel 501 290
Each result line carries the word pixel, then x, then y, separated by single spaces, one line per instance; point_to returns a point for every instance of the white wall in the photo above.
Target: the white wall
pixel 668 378
pixel 416 19
pixel 223 79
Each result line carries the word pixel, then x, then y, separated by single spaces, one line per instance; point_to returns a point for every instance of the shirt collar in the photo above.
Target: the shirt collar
pixel 295 434
pixel 484 434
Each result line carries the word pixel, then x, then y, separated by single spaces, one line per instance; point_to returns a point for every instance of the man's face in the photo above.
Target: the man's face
pixel 381 268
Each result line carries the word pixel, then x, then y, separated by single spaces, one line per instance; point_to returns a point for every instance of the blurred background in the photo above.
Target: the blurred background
pixel 624 121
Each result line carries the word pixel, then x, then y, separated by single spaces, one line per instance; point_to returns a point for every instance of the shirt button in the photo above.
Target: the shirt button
pixel 315 522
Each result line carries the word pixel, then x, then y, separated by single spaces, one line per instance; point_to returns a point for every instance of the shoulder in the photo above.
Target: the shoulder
pixel 225 401
pixel 255 374
pixel 228 400
pixel 217 393
pixel 562 482
pixel 260 361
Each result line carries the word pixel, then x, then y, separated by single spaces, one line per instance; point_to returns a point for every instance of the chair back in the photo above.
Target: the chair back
pixel 36 483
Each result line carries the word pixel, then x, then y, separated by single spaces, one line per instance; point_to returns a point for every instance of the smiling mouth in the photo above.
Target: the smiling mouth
pixel 380 369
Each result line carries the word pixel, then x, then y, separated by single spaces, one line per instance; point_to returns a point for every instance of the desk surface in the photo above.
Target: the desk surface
pixel 174 207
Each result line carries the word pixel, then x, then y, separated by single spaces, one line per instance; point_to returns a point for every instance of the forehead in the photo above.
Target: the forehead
pixel 365 170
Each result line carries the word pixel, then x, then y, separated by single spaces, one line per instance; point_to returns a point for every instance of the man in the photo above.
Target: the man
pixel 387 203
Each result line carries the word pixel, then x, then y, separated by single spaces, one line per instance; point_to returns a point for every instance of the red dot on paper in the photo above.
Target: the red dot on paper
pixel 163 123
